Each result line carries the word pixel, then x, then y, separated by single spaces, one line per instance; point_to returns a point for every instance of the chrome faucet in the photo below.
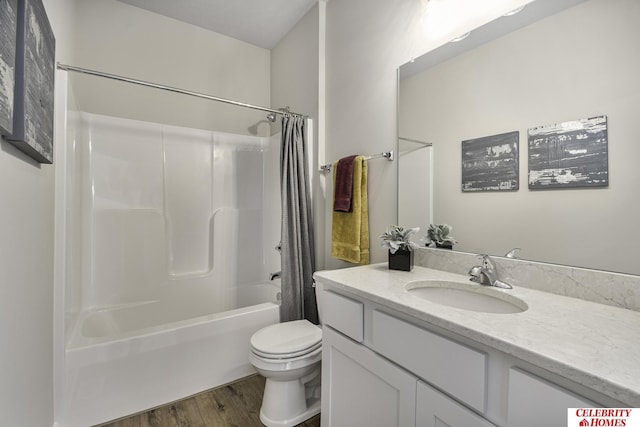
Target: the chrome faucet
pixel 486 274
pixel 275 275
pixel 513 253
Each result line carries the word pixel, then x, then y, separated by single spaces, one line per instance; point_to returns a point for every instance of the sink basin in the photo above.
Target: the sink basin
pixel 466 296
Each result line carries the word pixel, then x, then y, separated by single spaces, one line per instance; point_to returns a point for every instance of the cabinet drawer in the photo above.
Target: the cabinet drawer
pixel 452 367
pixel 535 402
pixel 343 314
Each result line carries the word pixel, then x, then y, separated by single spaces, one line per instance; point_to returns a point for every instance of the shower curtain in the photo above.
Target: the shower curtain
pixel 298 257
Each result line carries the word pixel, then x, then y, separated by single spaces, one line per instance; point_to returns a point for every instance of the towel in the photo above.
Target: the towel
pixel 343 184
pixel 350 230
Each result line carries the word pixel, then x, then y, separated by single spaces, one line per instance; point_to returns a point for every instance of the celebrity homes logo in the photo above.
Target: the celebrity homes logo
pixel 603 417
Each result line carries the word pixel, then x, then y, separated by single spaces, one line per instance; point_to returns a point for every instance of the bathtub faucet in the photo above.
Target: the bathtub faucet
pixel 274 275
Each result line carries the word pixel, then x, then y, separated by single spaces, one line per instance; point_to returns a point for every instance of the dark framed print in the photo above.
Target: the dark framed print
pixel 491 163
pixel 569 154
pixel 8 28
pixel 34 87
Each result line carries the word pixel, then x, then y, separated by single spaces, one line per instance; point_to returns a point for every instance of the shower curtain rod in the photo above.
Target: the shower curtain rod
pixel 173 89
pixel 417 141
pixel 387 155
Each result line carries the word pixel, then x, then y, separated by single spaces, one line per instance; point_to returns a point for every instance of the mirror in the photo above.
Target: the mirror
pixel 415 202
pixel 554 62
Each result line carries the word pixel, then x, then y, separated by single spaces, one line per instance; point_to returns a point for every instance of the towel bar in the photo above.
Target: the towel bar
pixel 386 154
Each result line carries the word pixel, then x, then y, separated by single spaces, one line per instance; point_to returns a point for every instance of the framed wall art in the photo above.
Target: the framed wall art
pixel 35 71
pixel 8 27
pixel 491 163
pixel 569 154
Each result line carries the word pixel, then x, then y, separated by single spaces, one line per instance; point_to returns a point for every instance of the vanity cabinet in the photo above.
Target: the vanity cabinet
pixel 381 368
pixel 361 388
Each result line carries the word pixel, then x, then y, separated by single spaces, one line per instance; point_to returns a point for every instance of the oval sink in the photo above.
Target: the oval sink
pixel 466 296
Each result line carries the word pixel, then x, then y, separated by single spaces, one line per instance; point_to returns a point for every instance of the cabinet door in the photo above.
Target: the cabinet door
pixel 360 388
pixel 535 402
pixel 434 409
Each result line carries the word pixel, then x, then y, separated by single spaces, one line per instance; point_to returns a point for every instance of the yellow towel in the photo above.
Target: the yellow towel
pixel 350 230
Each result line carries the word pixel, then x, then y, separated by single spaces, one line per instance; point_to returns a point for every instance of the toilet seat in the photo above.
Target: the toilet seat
pixel 288 340
pixel 291 355
pixel 284 364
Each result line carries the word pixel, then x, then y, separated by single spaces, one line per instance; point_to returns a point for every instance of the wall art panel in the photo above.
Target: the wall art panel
pixel 35 71
pixel 569 154
pixel 491 163
pixel 8 20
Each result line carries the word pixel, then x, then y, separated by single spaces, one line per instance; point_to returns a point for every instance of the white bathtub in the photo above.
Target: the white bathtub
pixel 136 356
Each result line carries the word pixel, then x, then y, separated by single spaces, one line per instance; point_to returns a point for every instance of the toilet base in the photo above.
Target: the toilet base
pixel 313 406
pixel 288 403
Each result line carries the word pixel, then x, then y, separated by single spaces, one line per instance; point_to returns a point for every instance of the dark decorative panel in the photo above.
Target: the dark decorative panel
pixel 35 71
pixel 8 19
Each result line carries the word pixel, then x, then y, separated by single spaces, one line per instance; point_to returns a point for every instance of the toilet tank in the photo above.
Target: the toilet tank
pixel 319 287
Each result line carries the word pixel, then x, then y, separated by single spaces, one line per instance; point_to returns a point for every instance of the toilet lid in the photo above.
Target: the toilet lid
pixel 287 356
pixel 298 336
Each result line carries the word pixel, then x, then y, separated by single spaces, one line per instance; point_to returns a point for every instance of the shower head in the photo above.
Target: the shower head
pixel 271 117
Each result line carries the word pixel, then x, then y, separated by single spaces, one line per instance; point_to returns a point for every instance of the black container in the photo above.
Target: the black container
pixel 401 260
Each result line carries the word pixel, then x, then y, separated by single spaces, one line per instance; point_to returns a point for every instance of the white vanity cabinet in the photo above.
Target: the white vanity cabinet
pixel 362 389
pixel 383 368
pixel 377 384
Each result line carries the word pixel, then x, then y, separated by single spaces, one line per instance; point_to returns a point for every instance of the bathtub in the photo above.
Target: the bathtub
pixel 131 357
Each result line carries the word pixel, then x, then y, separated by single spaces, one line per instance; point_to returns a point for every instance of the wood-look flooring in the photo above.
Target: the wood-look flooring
pixel 233 405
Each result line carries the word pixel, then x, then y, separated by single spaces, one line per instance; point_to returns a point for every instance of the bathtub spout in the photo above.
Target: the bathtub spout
pixel 274 275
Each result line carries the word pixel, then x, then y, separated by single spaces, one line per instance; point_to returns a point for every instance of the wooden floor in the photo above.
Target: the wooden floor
pixel 233 405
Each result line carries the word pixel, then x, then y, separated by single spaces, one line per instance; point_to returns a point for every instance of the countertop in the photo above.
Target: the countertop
pixel 592 344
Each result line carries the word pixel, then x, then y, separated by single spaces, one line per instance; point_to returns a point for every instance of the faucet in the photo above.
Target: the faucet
pixel 486 274
pixel 513 253
pixel 274 275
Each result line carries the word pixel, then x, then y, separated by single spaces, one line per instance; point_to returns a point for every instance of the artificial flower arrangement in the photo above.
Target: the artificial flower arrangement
pixel 438 236
pixel 396 240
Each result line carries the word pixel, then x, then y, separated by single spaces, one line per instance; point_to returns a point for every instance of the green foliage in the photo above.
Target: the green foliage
pixel 397 237
pixel 439 234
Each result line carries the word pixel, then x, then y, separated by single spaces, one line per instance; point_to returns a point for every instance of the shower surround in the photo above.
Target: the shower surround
pixel 169 239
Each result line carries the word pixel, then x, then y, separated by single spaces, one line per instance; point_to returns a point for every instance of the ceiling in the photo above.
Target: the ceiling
pixel 262 23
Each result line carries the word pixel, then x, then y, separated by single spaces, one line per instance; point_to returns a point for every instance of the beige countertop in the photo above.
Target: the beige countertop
pixel 592 344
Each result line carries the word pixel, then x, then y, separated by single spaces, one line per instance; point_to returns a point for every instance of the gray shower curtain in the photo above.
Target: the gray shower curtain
pixel 298 257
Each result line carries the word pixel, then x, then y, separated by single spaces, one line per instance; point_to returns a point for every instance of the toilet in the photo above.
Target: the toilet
pixel 289 356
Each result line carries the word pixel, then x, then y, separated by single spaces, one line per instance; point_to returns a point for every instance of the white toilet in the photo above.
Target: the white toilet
pixel 289 356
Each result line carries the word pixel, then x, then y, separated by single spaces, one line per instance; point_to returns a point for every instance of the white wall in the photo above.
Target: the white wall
pixel 294 67
pixel 26 304
pixel 294 83
pixel 26 268
pixel 365 43
pixel 121 39
pixel 539 75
